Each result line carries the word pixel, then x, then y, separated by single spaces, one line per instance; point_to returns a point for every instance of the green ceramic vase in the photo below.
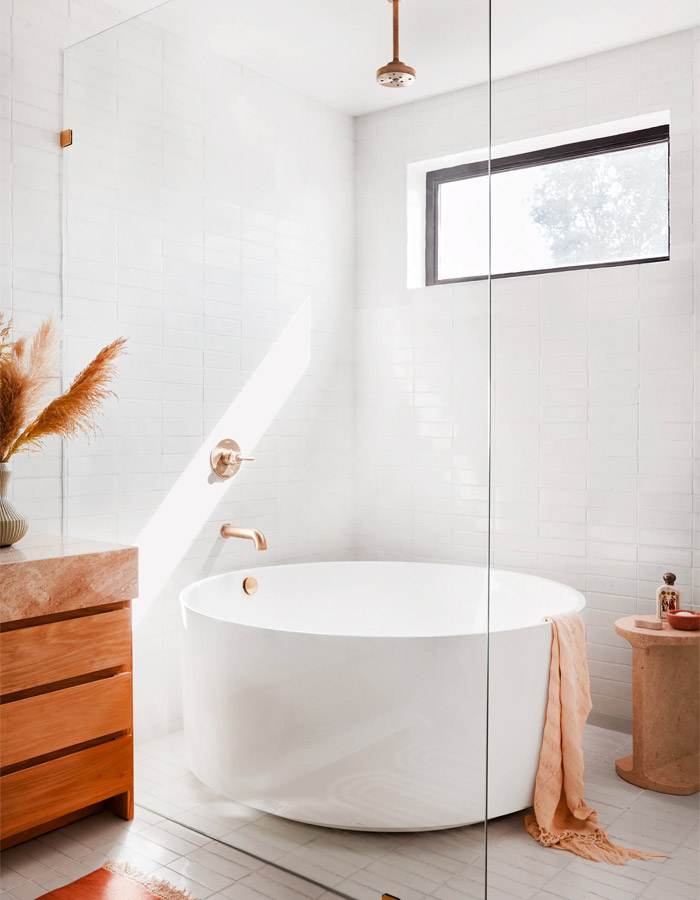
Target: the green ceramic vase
pixel 13 525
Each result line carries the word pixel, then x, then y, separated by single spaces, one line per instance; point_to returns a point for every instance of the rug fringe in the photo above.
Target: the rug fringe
pixel 156 886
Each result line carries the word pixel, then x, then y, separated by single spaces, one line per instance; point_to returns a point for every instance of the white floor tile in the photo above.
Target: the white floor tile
pixel 448 864
pixel 209 858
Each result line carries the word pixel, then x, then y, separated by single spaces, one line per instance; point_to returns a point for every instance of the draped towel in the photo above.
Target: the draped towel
pixel 561 818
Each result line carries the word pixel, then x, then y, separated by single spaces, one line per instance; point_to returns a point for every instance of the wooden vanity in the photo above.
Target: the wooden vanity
pixel 66 740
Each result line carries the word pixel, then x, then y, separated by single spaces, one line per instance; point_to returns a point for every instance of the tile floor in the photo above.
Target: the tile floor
pixel 448 865
pixel 207 858
pixel 157 846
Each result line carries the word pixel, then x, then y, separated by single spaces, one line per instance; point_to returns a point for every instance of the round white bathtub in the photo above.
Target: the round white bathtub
pixel 353 694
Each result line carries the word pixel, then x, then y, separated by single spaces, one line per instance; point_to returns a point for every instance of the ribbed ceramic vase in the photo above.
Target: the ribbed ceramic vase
pixel 13 525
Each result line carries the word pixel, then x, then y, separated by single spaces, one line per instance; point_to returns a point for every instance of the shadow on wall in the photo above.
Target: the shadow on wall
pixel 189 504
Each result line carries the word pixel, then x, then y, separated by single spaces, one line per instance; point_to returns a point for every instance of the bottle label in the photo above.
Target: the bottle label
pixel 668 601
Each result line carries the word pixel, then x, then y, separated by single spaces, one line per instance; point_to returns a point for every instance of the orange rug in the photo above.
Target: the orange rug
pixel 117 881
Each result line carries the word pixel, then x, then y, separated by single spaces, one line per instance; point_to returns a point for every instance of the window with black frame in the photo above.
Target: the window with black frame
pixel 588 204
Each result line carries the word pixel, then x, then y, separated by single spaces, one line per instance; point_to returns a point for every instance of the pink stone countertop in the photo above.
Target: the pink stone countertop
pixel 45 574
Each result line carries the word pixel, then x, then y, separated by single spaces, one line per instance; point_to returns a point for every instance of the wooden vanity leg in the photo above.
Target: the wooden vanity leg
pixel 122 805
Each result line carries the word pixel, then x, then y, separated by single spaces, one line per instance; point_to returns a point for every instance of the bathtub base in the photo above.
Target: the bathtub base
pixel 354 809
pixel 378 828
pixel 343 822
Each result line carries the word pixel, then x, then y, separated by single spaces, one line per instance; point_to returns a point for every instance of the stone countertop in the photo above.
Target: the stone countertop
pixel 46 574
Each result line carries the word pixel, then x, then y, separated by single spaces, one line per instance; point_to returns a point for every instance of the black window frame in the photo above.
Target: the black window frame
pixel 658 134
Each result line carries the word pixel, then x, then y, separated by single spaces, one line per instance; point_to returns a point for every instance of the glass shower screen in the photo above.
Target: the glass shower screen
pixel 248 207
pixel 592 424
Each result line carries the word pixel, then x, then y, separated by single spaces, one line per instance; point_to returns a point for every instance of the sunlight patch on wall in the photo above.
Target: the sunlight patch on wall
pixel 192 500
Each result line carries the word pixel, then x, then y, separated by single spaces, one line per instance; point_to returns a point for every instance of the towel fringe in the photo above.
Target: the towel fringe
pixel 595 846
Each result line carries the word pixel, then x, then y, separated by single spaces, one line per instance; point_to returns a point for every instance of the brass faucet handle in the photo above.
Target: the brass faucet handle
pixel 226 458
pixel 230 458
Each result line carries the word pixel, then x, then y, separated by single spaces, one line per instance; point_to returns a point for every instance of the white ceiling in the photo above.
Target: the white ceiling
pixel 330 49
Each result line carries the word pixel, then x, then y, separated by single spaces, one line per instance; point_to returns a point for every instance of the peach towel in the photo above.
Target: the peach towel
pixel 561 818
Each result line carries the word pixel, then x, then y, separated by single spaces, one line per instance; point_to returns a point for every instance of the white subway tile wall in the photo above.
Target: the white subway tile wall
pixel 593 371
pixel 33 35
pixel 205 203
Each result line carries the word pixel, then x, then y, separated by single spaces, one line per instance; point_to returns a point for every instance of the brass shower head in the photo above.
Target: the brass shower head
pixel 396 74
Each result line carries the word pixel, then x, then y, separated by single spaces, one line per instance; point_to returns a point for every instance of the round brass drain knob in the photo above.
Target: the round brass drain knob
pixel 250 585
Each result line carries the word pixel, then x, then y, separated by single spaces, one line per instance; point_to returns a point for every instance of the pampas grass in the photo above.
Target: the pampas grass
pixel 5 338
pixel 26 370
pixel 15 386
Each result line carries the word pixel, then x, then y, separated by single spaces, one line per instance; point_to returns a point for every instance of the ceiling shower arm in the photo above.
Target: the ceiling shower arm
pixel 395 4
pixel 395 74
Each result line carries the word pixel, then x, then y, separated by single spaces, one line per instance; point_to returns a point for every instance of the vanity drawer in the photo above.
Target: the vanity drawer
pixel 60 786
pixel 56 651
pixel 60 719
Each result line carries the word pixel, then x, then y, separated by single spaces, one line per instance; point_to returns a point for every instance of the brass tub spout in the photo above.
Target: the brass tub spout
pixel 250 534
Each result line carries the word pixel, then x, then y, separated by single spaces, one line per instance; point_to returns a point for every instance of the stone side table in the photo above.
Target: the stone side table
pixel 666 709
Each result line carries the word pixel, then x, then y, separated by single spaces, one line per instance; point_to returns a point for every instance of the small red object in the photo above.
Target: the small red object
pixel 689 622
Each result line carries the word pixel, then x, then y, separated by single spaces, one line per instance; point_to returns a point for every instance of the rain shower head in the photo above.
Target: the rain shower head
pixel 396 74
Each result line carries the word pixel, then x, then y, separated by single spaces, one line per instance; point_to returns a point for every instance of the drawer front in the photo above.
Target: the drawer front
pixel 60 719
pixel 43 654
pixel 44 792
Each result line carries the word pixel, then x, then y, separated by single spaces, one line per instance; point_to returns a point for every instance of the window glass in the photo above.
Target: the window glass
pixel 586 211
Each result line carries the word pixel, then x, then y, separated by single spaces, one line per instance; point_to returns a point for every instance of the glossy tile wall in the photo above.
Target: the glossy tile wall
pixel 593 431
pixel 34 34
pixel 205 205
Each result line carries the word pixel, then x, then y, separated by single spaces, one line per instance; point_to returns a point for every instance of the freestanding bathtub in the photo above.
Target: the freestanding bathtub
pixel 353 694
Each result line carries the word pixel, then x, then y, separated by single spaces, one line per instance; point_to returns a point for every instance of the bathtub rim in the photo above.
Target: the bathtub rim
pixel 242 573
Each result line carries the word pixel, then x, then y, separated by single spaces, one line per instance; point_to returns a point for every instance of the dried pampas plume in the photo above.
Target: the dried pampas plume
pixel 5 338
pixel 26 369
